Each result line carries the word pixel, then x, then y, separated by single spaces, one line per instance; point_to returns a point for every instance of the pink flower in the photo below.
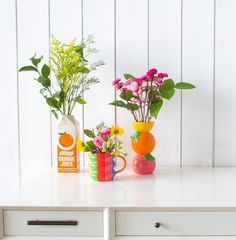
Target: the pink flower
pixel 151 72
pixel 98 141
pixel 139 80
pixel 128 82
pixel 142 79
pixel 159 82
pixel 116 81
pixel 119 85
pixel 105 132
pixel 123 89
pixel 162 75
pixel 134 87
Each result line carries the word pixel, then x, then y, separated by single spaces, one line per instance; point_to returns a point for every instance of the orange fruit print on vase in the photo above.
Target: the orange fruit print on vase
pixel 66 140
pixel 144 143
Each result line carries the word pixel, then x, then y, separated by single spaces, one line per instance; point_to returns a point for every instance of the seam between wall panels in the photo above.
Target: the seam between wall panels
pixel 18 94
pixel 49 41
pixel 82 37
pixel 214 85
pixel 181 93
pixel 115 70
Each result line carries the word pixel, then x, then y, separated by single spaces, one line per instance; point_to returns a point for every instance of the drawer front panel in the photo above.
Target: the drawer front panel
pixel 129 223
pixel 53 223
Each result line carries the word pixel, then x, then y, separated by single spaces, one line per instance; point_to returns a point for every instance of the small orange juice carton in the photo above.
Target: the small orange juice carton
pixel 67 154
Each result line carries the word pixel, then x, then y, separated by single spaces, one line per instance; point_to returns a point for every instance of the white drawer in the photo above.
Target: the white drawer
pixel 42 223
pixel 153 223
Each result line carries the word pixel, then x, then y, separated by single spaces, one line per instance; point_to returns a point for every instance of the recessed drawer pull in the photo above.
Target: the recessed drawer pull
pixel 157 225
pixel 62 223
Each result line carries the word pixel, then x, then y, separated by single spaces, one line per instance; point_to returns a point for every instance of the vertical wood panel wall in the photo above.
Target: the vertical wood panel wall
pixel 192 40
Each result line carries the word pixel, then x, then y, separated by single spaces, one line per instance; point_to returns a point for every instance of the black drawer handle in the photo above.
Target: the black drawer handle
pixel 157 225
pixel 52 223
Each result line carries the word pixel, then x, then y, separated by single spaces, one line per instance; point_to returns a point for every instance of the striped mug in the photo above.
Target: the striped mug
pixel 102 166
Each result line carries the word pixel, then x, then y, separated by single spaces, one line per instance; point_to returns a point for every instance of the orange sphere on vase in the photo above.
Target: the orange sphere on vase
pixel 144 143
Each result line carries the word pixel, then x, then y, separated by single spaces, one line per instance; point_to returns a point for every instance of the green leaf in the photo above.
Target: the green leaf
pixel 80 100
pixel 35 60
pixel 168 94
pixel 133 106
pixel 89 133
pixel 90 145
pixel 45 71
pixel 42 91
pixel 57 94
pixel 118 103
pixel 28 68
pixel 128 76
pixel 126 95
pixel 168 84
pixel 167 89
pixel 149 157
pixel 135 135
pixel 84 69
pixel 184 85
pixel 46 82
pixel 52 102
pixel 156 107
pixel 54 113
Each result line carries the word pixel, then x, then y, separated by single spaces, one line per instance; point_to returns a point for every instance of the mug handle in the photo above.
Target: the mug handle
pixel 124 166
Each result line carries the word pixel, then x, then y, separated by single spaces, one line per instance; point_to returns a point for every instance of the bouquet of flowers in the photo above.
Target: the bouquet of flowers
pixel 103 139
pixel 143 96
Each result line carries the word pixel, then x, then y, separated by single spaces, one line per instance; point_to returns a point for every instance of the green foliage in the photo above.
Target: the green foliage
pixel 126 95
pixel 128 76
pixel 156 107
pixel 90 145
pixel 35 60
pixel 68 64
pixel 52 102
pixel 132 106
pixel 167 89
pixel 119 103
pixel 46 82
pixel 89 133
pixel 54 112
pixel 80 100
pixel 28 68
pixel 45 71
pixel 184 85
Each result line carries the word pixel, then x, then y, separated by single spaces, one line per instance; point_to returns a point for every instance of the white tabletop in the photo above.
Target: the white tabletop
pixel 168 187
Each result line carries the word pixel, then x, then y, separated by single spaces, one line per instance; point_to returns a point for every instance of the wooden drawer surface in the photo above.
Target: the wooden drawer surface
pixel 152 223
pixel 73 223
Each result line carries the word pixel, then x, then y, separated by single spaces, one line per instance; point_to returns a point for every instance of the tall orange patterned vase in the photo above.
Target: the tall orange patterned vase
pixel 143 143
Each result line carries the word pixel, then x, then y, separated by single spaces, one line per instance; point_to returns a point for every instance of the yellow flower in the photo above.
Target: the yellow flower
pixel 81 146
pixel 116 130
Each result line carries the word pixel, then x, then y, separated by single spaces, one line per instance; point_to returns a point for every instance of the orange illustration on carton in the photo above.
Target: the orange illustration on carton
pixel 67 154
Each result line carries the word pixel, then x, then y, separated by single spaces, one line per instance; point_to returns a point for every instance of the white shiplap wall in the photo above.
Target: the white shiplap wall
pixel 192 40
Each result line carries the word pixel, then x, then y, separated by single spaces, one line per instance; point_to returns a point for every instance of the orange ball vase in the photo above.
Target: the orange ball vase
pixel 143 143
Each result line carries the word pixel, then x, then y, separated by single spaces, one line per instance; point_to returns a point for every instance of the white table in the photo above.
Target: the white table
pixel 174 203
